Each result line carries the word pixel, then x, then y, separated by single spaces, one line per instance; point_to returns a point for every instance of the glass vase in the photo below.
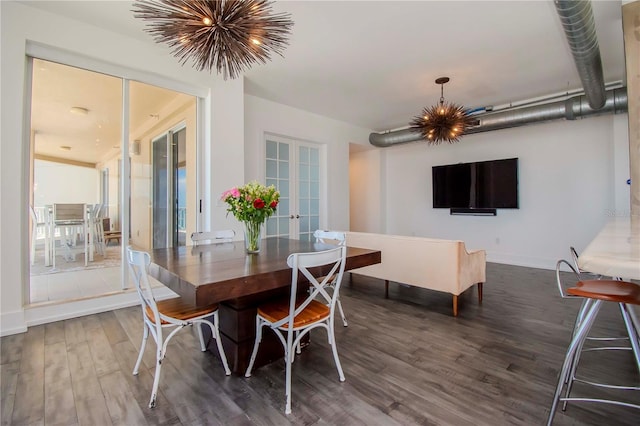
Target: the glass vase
pixel 252 236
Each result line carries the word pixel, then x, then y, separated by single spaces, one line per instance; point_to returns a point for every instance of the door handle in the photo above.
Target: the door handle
pixel 296 216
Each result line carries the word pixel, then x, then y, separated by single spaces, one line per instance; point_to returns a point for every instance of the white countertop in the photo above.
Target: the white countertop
pixel 615 251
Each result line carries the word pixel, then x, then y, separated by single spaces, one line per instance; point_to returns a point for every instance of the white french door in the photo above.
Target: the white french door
pixel 296 169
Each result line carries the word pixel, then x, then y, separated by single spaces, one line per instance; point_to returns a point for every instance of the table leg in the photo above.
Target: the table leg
pixel 237 328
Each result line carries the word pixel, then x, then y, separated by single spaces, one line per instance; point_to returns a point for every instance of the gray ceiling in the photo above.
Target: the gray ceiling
pixel 373 63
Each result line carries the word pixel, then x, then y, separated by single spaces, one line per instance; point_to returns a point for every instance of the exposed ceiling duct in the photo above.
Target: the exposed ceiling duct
pixel 580 30
pixel 578 23
pixel 570 109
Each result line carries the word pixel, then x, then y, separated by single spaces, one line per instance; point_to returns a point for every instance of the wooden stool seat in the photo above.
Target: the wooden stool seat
pixel 275 311
pixel 178 309
pixel 608 290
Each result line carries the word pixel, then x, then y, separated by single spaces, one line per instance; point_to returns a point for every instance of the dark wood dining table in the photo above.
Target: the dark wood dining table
pixel 238 282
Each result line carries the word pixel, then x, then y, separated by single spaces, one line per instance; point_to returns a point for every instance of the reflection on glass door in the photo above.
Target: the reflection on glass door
pixel 181 187
pixel 76 122
pixel 161 192
pixel 169 189
pixel 163 167
pixel 294 168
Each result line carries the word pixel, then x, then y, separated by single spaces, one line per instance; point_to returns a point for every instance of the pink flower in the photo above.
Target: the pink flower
pixel 233 192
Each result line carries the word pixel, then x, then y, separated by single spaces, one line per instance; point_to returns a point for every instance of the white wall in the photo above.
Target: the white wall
pixel 567 182
pixel 21 24
pixel 365 194
pixel 64 183
pixel 262 116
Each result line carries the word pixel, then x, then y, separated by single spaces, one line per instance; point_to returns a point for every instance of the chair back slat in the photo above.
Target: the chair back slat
pixel 32 213
pixel 98 211
pixel 138 263
pixel 69 212
pixel 306 264
pixel 330 237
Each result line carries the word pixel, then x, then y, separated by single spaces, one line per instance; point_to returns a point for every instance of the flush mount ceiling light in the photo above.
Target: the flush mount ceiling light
pixel 443 122
pixel 79 110
pixel 228 35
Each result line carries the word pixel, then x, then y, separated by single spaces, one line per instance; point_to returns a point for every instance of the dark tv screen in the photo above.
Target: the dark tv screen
pixel 480 185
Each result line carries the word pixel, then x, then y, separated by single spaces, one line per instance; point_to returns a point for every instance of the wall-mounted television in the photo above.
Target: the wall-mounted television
pixel 480 185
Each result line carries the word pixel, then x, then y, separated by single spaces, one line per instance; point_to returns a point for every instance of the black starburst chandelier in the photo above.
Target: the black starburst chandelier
pixel 443 122
pixel 228 35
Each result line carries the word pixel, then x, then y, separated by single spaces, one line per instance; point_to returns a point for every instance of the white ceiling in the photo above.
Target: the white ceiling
pixel 94 135
pixel 373 63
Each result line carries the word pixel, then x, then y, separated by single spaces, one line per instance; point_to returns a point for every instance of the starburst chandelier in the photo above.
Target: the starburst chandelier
pixel 228 35
pixel 443 122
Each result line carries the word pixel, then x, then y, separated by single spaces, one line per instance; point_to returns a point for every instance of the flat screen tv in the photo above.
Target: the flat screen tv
pixel 480 185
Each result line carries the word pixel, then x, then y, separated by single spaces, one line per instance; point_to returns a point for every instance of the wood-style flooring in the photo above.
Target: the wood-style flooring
pixel 407 361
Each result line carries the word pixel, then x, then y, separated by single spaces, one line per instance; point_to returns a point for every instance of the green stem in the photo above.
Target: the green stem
pixel 252 236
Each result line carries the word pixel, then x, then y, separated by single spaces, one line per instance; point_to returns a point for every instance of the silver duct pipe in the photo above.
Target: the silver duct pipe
pixel 570 109
pixel 580 29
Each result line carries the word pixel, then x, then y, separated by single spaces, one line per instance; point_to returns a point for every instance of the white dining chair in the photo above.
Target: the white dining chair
pixel 338 238
pixel 70 219
pixel 213 237
pixel 292 318
pixel 97 228
pixel 174 314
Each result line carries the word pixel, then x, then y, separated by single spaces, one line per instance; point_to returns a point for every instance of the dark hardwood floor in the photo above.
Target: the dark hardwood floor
pixel 406 359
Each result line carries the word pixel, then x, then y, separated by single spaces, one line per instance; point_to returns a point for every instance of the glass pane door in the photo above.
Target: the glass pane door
pixel 308 184
pixel 76 122
pixel 277 174
pixel 162 190
pixel 294 168
pixel 164 203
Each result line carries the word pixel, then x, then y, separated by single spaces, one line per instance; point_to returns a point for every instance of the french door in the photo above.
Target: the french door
pixel 296 169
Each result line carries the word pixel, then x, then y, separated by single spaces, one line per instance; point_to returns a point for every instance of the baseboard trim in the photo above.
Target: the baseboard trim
pixel 12 323
pixel 37 315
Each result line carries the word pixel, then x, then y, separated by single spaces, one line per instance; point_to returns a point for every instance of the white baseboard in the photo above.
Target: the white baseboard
pixel 12 323
pixel 50 313
pixel 516 260
pixel 18 321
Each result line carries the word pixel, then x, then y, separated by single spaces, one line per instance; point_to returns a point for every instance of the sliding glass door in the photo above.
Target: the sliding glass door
pixel 163 184
pixel 77 158
pixel 170 187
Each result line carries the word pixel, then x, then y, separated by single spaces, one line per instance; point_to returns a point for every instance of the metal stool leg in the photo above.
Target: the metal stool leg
pixel 632 331
pixel 576 342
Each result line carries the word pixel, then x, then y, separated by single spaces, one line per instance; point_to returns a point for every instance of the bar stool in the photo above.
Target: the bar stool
pixel 631 326
pixel 595 292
